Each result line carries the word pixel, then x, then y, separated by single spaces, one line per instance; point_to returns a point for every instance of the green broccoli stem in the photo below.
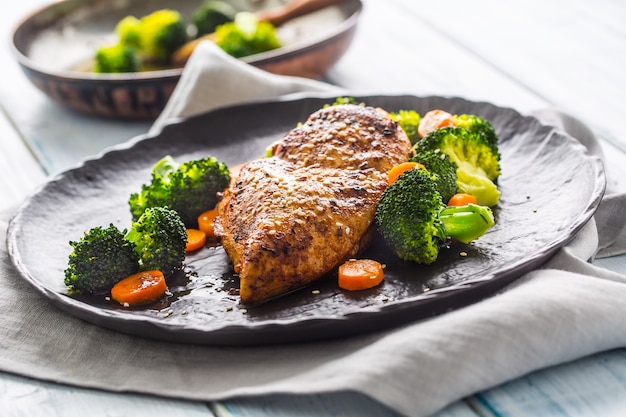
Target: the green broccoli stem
pixel 466 223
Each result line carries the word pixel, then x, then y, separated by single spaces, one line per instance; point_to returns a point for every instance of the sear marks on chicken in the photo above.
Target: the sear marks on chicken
pixel 288 220
pixel 347 137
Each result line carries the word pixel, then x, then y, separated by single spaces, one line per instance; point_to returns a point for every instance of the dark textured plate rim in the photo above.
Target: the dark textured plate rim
pixel 283 53
pixel 458 295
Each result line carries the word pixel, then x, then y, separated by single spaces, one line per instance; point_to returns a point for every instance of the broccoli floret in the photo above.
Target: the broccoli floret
pixel 159 237
pixel 105 256
pixel 409 121
pixel 415 223
pixel 116 59
pixel 189 188
pixel 155 36
pixel 343 100
pixel 407 217
pixel 440 164
pixel 211 14
pixel 246 36
pixel 478 166
pixel 128 31
pixel 162 32
pixel 479 125
pixel 100 259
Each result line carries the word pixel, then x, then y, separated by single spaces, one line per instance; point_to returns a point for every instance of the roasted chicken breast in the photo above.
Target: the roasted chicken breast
pixel 346 137
pixel 288 220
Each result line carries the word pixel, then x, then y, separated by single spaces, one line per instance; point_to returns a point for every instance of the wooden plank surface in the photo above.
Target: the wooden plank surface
pixel 20 173
pixel 23 397
pixel 398 49
pixel 594 386
pixel 334 404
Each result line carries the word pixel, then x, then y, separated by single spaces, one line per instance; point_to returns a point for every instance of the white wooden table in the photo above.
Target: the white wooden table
pixel 522 54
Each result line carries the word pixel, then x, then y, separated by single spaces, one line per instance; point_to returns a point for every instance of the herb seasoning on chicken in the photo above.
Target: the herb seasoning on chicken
pixel 292 218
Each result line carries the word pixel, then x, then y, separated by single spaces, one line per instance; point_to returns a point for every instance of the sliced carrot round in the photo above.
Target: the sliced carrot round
pixel 140 288
pixel 360 274
pixel 396 171
pixel 433 120
pixel 206 222
pixel 462 199
pixel 195 240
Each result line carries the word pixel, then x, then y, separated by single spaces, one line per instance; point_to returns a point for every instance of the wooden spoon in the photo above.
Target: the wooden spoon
pixel 276 16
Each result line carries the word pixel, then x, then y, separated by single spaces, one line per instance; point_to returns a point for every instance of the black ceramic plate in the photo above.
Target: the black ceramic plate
pixel 550 189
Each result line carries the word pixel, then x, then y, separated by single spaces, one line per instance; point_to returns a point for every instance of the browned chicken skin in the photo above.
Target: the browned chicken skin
pixel 347 137
pixel 290 219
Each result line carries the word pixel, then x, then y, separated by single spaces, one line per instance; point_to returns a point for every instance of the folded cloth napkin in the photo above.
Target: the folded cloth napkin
pixel 567 309
pixel 214 79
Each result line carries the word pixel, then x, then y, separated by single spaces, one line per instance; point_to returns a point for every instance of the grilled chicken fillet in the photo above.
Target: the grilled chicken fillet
pixel 290 219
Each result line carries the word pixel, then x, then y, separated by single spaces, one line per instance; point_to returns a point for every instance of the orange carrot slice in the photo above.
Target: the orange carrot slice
pixel 462 199
pixel 195 240
pixel 206 221
pixel 396 171
pixel 140 288
pixel 360 274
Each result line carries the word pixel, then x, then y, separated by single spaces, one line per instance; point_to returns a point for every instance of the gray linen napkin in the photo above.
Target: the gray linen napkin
pixel 563 311
pixel 213 79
